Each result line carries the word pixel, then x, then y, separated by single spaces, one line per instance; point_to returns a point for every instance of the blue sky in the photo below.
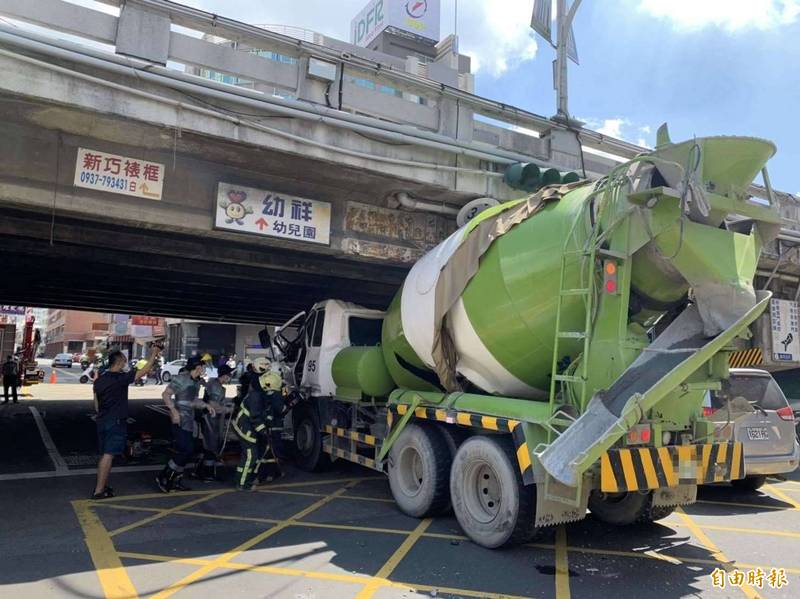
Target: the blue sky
pixel 707 67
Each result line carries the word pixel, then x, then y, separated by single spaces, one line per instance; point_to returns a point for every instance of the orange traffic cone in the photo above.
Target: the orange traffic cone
pixel 53 377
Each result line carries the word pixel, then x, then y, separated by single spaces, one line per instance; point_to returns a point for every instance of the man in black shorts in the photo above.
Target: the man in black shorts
pixel 111 403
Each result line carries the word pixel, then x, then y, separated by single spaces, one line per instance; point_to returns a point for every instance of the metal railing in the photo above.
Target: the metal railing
pixel 365 84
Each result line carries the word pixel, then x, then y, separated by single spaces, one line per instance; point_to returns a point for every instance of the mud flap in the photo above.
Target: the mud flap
pixel 556 503
pixel 670 496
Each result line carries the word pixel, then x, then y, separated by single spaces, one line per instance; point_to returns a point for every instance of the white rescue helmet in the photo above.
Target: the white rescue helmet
pixel 261 365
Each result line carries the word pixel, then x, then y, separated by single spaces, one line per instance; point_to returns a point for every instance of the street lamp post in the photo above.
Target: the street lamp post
pixel 564 20
pixel 565 47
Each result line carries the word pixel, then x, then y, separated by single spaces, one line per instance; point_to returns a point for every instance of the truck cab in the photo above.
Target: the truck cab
pixel 329 327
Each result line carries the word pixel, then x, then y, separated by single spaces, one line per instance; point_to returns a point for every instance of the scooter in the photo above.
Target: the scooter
pixel 90 374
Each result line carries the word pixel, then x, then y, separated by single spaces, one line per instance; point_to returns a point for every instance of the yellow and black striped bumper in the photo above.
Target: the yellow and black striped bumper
pixel 642 468
pixel 479 421
pixel 747 357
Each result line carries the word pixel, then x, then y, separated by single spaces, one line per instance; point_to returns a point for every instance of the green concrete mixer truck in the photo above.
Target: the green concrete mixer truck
pixel 551 356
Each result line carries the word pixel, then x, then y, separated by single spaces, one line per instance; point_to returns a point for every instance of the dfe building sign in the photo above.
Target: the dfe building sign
pixel 419 17
pixel 270 214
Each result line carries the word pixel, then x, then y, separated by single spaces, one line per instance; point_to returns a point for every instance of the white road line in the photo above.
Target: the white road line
pixel 75 472
pixel 52 451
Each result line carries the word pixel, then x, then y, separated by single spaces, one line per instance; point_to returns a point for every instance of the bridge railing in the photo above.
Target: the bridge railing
pixel 363 83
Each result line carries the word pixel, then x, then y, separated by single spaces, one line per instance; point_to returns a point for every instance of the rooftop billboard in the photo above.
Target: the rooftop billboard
pixel 419 17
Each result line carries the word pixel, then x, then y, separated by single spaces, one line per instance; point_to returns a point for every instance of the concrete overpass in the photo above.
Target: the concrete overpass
pixel 393 168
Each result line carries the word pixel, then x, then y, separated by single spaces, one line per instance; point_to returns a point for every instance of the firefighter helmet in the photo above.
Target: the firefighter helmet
pixel 261 365
pixel 270 381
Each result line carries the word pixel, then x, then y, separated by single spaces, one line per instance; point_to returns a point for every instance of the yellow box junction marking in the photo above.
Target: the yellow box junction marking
pixel 117 584
pixel 225 558
pixel 113 578
pixel 716 553
pixel 562 564
pixel 381 577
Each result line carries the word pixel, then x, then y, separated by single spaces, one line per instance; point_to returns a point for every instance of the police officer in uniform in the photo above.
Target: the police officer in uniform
pixel 211 427
pixel 260 408
pixel 181 397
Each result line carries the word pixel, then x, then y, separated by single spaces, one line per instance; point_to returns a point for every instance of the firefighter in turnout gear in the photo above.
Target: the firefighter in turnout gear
pixel 211 427
pixel 260 409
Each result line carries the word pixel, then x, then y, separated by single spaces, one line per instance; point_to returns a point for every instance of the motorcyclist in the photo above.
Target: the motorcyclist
pixel 261 407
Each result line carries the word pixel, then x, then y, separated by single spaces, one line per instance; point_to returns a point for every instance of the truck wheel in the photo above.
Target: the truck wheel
pixel 309 454
pixel 166 377
pixel 749 483
pixel 84 379
pixel 491 503
pixel 658 512
pixel 419 470
pixel 620 509
pixel 453 437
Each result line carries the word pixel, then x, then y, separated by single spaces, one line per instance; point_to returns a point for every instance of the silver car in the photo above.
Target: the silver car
pixel 751 408
pixel 62 360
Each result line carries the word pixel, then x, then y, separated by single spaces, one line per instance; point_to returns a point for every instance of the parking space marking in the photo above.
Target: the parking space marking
pixel 167 512
pixel 113 578
pixel 715 551
pixel 562 564
pixel 225 558
pixel 52 451
pixel 782 496
pixel 381 577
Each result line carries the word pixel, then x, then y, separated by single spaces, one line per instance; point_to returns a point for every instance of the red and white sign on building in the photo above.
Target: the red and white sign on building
pixel 147 321
pixel 119 174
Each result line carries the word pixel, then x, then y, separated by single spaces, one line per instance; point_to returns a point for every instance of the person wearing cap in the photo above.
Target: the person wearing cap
pixel 259 409
pixel 211 427
pixel 181 398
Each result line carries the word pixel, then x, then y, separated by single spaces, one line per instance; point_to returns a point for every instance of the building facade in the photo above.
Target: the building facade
pixel 73 331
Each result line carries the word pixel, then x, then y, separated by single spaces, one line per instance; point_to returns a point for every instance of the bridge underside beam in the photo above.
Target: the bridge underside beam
pixel 115 269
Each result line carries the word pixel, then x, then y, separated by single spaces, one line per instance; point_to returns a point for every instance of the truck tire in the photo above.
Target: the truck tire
pixel 658 512
pixel 309 454
pixel 419 471
pixel 620 509
pixel 84 379
pixel 749 483
pixel 491 503
pixel 453 436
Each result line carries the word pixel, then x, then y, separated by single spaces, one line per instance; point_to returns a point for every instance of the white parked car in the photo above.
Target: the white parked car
pixel 171 369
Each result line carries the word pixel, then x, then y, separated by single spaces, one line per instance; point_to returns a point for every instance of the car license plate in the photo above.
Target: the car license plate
pixel 757 434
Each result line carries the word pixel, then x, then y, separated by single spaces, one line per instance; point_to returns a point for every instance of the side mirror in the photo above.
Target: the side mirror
pixel 264 338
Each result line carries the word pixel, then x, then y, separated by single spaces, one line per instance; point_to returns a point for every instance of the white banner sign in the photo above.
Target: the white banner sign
pixel 270 214
pixel 785 330
pixel 119 174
